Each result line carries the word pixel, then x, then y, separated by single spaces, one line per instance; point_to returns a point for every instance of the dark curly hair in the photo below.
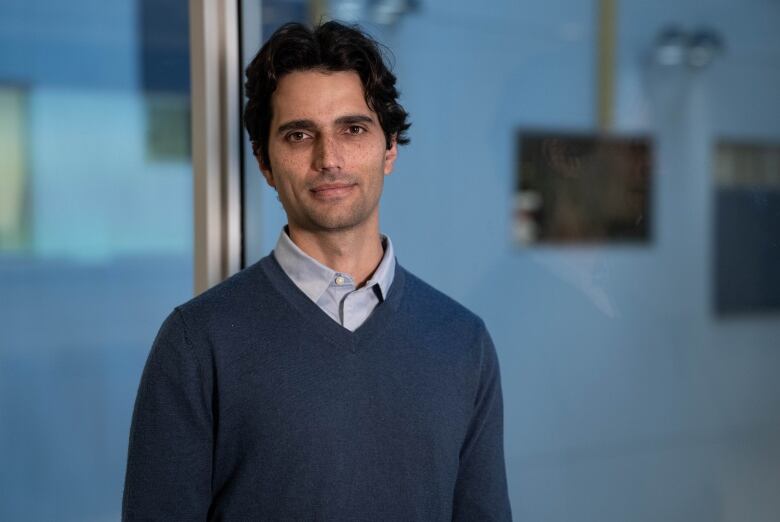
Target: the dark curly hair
pixel 330 47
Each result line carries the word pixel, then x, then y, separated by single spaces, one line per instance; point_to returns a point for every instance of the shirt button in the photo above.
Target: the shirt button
pixel 340 280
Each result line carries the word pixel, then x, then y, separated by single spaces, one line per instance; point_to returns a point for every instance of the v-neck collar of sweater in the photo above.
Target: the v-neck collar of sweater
pixel 316 318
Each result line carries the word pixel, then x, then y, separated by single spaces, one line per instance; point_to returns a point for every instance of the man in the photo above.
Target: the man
pixel 324 382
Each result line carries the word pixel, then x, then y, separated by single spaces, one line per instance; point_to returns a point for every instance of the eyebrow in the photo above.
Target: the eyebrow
pixel 310 125
pixel 296 124
pixel 354 118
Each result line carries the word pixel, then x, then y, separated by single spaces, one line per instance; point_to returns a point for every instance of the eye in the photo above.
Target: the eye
pixel 296 136
pixel 355 130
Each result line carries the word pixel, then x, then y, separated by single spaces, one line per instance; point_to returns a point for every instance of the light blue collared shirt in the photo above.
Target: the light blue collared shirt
pixel 335 292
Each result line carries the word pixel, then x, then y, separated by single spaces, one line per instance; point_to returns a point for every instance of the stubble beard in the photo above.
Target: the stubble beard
pixel 332 219
pixel 336 216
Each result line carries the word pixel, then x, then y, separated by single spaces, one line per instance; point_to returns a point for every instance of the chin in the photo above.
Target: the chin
pixel 338 222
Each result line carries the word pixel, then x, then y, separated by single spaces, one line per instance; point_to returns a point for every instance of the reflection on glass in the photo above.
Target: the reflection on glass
pixel 95 238
pixel 12 168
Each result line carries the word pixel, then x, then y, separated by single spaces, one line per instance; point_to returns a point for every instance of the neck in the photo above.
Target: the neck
pixel 354 252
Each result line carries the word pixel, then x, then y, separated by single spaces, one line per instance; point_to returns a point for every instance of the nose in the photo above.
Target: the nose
pixel 327 156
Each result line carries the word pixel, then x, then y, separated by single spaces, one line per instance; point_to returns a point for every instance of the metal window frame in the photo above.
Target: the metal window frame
pixel 216 139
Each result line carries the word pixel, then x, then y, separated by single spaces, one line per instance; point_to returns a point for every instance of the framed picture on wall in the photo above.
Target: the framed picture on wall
pixel 747 227
pixel 582 188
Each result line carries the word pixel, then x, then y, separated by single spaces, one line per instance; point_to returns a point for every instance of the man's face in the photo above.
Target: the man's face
pixel 327 152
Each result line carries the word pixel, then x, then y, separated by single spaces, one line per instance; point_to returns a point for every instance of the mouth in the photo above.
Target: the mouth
pixel 328 191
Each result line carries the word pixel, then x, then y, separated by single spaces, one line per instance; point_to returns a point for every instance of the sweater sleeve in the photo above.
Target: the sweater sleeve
pixel 481 489
pixel 170 452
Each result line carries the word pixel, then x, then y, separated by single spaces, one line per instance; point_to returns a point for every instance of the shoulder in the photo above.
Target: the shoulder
pixel 438 310
pixel 424 298
pixel 440 325
pixel 221 304
pixel 229 320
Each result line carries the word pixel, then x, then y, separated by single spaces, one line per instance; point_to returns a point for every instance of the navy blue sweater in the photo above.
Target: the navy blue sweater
pixel 255 405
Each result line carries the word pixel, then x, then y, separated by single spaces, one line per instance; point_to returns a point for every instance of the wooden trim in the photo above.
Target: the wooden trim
pixel 605 51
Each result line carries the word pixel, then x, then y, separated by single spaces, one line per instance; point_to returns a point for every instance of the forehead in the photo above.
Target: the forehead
pixel 318 95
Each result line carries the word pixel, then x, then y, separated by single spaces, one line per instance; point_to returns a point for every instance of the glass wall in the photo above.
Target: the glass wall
pixel 95 238
pixel 611 208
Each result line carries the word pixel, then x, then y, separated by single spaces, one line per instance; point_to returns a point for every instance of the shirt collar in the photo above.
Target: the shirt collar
pixel 314 278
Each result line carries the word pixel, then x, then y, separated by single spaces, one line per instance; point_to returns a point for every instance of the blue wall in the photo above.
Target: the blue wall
pixel 626 397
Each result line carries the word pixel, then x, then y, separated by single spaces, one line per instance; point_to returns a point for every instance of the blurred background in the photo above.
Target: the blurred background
pixel 599 181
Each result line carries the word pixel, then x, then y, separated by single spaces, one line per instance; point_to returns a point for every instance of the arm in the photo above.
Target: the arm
pixel 481 490
pixel 169 457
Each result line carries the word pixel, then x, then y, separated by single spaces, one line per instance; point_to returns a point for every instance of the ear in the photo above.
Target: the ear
pixel 266 170
pixel 390 155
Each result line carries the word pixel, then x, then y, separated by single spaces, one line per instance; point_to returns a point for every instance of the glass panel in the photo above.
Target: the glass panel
pixel 640 377
pixel 262 212
pixel 95 238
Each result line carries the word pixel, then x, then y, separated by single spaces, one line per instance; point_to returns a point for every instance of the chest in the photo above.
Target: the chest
pixel 319 403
